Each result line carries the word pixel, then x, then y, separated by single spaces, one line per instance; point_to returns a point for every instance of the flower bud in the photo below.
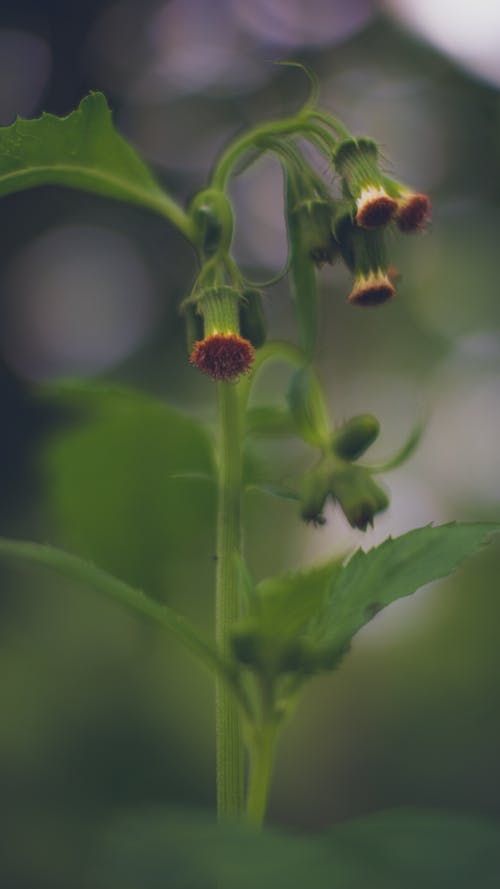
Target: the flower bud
pixel 352 439
pixel 359 497
pixel 364 252
pixel 357 162
pixel 352 487
pixel 315 490
pixel 222 353
pixel 413 210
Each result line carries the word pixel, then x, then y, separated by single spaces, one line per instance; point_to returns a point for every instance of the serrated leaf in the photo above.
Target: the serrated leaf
pixel 387 850
pixel 130 485
pixel 284 605
pixel 82 150
pixel 271 637
pixel 398 567
pixel 110 587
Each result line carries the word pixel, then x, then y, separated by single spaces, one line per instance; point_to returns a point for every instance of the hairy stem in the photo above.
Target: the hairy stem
pixel 230 757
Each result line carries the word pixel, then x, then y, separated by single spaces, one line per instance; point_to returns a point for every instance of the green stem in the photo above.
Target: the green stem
pixel 301 125
pixel 230 758
pixel 261 768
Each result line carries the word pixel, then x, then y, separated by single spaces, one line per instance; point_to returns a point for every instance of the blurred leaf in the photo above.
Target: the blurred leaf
pixel 271 636
pixel 396 568
pixel 130 484
pixel 389 850
pixel 269 420
pixel 111 587
pixel 283 606
pixel 82 150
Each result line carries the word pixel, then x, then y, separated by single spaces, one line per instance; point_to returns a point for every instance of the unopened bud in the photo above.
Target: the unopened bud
pixel 358 495
pixel 352 439
pixel 315 490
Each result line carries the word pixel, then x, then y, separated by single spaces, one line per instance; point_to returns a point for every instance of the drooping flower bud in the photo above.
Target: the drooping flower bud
pixel 222 353
pixel 364 253
pixel 352 487
pixel 357 162
pixel 413 210
pixel 352 439
pixel 358 495
pixel 315 490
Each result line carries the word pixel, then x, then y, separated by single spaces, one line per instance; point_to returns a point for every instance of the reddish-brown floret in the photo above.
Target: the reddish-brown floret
pixel 375 208
pixel 372 290
pixel 413 212
pixel 223 356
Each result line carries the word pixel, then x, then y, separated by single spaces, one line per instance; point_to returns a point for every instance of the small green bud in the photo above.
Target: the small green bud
pixel 352 439
pixel 212 215
pixel 357 162
pixel 358 495
pixel 252 318
pixel 315 490
pixel 308 409
pixel 352 487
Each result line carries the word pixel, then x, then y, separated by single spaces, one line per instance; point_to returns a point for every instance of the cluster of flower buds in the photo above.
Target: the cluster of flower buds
pixel 335 476
pixel 353 227
pixel 371 202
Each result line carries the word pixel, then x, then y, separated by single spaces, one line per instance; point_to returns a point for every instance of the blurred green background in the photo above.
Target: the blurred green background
pixel 99 715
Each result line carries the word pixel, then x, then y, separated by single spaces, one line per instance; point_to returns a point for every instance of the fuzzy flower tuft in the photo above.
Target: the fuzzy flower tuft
pixel 413 212
pixel 375 207
pixel 223 356
pixel 371 290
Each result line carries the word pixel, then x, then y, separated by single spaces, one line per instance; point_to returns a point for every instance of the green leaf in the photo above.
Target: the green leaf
pixel 398 567
pixel 82 150
pixel 272 636
pixel 130 482
pixel 398 849
pixel 134 600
